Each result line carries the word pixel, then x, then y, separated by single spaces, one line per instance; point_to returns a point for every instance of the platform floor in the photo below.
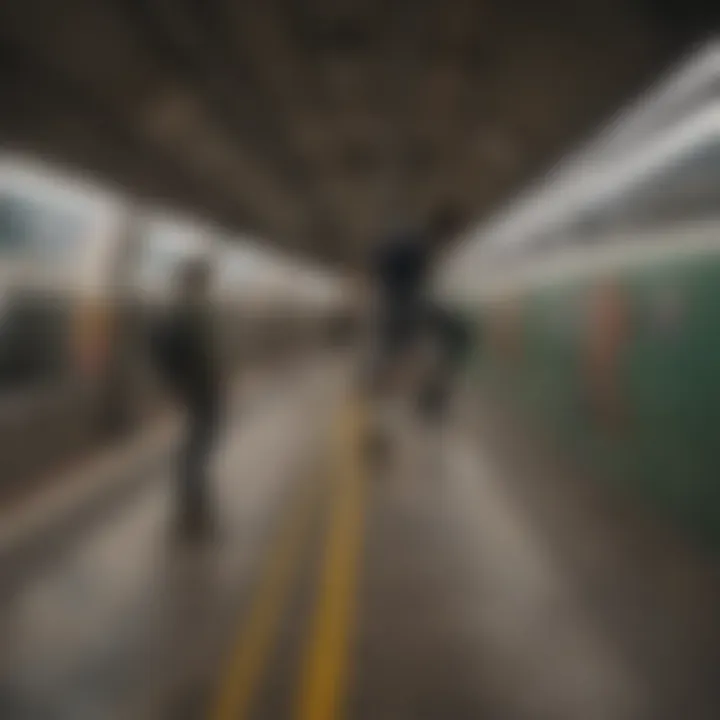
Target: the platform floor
pixel 464 579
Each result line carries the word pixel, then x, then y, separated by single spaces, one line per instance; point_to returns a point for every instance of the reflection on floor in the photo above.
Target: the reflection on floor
pixel 465 580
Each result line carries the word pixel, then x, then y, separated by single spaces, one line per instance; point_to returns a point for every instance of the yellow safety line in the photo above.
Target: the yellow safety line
pixel 256 637
pixel 326 659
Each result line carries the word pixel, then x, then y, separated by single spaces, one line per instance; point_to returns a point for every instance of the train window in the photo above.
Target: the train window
pixel 58 236
pixel 35 339
pixel 39 231
pixel 14 228
pixel 36 326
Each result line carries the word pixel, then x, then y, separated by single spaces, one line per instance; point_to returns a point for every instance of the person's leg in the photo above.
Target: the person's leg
pixel 378 399
pixel 186 472
pixel 195 491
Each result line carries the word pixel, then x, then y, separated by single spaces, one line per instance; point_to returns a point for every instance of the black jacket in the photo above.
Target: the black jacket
pixel 401 267
pixel 185 354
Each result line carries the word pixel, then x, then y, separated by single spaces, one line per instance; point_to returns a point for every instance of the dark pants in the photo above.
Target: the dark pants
pixel 398 331
pixel 195 455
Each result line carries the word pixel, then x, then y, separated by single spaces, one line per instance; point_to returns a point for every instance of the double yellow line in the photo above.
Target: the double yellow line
pixel 325 657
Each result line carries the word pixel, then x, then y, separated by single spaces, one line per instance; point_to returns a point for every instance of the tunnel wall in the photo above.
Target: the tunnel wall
pixel 623 370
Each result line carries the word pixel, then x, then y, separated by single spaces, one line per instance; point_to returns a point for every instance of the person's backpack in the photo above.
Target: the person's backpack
pixel 452 338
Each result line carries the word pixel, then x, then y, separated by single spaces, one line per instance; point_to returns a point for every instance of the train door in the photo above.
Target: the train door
pixel 120 409
pixel 54 336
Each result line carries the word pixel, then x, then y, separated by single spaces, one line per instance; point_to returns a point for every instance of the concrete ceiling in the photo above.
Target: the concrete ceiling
pixel 312 123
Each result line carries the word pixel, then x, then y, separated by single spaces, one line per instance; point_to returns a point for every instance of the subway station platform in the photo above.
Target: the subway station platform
pixel 469 578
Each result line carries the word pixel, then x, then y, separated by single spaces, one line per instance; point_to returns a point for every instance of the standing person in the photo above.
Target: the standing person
pixel 188 357
pixel 400 277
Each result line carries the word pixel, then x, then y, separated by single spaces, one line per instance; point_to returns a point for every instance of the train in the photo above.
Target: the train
pixel 597 301
pixel 84 271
